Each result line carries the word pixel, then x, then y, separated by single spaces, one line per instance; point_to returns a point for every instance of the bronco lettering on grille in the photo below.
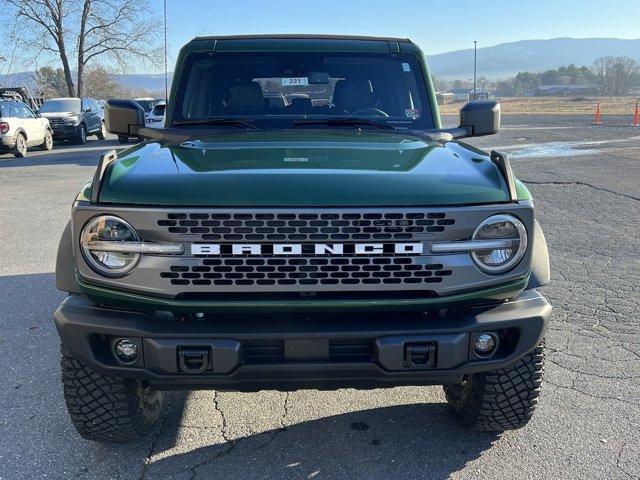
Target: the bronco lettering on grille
pixel 329 249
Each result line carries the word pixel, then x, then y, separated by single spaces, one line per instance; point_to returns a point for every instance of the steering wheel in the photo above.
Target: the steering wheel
pixel 376 111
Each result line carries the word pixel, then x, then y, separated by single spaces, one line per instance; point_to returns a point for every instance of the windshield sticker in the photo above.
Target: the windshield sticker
pixel 295 81
pixel 412 113
pixel 406 67
pixel 296 159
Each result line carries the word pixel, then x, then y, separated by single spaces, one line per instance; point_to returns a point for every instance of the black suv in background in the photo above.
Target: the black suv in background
pixel 74 118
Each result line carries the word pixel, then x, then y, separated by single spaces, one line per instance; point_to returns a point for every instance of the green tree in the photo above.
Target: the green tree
pixel 526 83
pixel 51 82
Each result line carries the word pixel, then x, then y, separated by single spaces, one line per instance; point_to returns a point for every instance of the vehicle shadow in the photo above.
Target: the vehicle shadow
pixel 64 153
pixel 414 441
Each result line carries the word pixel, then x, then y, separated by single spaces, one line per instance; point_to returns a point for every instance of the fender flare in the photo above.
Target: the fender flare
pixel 65 264
pixel 23 132
pixel 540 267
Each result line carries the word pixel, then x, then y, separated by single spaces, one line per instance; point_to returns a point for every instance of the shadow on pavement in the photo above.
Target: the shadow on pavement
pixel 64 153
pixel 406 441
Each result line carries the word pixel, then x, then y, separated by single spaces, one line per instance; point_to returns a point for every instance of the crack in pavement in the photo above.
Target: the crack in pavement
pixel 619 459
pixel 592 395
pixel 232 443
pixel 582 184
pixel 154 442
pixel 590 374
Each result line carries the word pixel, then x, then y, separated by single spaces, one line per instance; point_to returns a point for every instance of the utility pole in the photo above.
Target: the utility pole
pixel 475 63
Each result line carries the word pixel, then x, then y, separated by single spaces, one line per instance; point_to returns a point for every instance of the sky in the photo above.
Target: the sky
pixel 436 25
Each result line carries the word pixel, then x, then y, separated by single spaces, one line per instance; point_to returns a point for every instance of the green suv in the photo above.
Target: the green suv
pixel 301 220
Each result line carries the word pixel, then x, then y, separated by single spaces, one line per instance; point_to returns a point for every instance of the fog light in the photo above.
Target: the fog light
pixel 126 350
pixel 484 344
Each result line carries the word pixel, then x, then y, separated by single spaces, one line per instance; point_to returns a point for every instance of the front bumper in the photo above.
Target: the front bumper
pixel 295 351
pixel 61 132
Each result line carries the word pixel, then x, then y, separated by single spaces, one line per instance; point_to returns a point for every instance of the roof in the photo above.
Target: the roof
pixel 298 36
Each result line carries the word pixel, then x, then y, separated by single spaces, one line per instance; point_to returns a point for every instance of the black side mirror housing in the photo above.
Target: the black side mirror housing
pixel 480 118
pixel 123 117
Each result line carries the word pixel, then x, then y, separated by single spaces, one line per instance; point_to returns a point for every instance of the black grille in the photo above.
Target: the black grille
pixel 301 227
pixel 272 351
pixel 301 271
pixel 56 122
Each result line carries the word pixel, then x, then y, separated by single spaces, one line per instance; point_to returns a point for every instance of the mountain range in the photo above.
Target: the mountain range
pixel 507 59
pixel 494 62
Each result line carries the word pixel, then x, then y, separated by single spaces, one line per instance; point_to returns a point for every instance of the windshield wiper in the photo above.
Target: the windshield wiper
pixel 218 121
pixel 343 121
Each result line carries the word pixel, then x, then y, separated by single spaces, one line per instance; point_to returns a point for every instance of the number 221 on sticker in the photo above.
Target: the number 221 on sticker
pixel 295 81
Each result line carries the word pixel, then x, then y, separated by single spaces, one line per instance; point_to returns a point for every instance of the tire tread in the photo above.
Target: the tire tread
pixel 103 408
pixel 500 400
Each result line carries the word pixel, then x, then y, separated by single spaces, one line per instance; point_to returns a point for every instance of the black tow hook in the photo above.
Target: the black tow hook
pixel 421 355
pixel 193 359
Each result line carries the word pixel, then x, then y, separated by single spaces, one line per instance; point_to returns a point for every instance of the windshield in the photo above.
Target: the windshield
pixel 66 105
pixel 278 89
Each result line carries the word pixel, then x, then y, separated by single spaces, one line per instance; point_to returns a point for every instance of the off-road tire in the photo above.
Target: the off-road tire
pixel 101 134
pixel 500 400
pixel 47 143
pixel 81 139
pixel 20 148
pixel 107 409
pixel 123 139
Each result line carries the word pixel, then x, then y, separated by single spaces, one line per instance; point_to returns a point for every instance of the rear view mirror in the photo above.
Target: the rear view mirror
pixel 316 78
pixel 123 117
pixel 480 118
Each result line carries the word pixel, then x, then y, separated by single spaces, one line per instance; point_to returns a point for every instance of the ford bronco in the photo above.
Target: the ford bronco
pixel 339 237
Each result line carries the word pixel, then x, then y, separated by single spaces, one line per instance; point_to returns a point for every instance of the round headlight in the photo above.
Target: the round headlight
pixel 500 227
pixel 107 228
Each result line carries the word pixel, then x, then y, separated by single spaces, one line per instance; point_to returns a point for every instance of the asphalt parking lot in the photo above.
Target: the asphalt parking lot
pixel 586 185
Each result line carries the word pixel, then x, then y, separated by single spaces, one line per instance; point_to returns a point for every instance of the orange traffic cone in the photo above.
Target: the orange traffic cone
pixel 597 118
pixel 635 116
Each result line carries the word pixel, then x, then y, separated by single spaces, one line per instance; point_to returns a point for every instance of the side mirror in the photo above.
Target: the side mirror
pixel 480 118
pixel 88 110
pixel 123 117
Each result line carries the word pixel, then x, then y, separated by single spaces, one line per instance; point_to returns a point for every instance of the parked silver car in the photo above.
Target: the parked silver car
pixel 21 128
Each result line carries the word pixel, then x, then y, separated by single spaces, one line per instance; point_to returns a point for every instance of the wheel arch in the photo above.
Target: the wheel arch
pixel 65 264
pixel 541 267
pixel 23 132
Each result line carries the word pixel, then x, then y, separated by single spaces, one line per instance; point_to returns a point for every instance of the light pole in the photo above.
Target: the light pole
pixel 475 63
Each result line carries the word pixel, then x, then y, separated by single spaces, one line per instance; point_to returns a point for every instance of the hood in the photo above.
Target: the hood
pixel 303 169
pixel 58 114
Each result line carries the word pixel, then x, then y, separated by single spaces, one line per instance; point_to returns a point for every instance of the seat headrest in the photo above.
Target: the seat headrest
pixel 353 94
pixel 246 98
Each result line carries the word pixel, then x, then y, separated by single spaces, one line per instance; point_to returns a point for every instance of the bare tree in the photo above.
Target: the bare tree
pixel 41 24
pixel 616 75
pixel 99 83
pixel 117 31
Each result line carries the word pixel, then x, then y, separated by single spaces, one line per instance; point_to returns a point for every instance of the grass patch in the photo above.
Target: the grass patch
pixel 556 106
